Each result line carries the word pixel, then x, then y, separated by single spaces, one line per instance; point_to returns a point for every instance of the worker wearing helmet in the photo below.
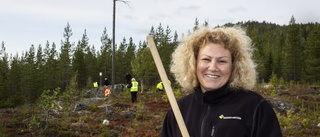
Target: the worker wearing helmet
pixel 134 90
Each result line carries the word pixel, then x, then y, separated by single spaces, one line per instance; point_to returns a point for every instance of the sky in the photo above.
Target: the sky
pixel 34 22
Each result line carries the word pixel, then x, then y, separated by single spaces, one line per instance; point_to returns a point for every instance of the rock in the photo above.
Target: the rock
pixel 266 86
pixel 106 122
pixel 314 87
pixel 307 97
pixel 88 92
pixel 83 112
pixel 58 104
pixel 280 92
pixel 106 106
pixel 297 127
pixel 118 87
pixel 159 127
pixel 92 100
pixel 282 106
pixel 79 107
pixel 128 114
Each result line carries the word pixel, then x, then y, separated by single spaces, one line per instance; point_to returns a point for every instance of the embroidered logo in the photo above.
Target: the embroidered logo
pixel 229 117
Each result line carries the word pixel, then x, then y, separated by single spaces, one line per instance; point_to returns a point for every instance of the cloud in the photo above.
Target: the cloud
pixel 237 9
pixel 26 22
pixel 186 10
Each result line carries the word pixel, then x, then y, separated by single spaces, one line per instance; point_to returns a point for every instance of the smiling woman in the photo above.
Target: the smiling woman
pixel 217 64
pixel 232 39
pixel 214 65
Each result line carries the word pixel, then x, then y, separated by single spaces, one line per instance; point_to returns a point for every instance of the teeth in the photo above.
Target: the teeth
pixel 212 76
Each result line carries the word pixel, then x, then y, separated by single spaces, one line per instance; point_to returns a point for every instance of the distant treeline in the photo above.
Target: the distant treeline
pixel 290 52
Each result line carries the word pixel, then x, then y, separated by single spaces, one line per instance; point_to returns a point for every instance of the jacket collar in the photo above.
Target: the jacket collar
pixel 213 96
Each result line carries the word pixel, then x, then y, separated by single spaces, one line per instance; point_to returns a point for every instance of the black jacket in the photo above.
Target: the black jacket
pixel 223 113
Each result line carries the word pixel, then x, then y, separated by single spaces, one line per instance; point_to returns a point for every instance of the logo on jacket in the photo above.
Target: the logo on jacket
pixel 229 117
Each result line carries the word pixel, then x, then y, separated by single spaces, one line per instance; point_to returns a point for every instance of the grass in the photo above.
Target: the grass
pixel 304 122
pixel 145 117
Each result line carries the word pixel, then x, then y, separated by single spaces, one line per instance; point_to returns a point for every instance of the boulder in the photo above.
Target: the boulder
pixel 282 107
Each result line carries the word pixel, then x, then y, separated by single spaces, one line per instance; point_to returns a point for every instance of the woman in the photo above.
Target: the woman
pixel 217 64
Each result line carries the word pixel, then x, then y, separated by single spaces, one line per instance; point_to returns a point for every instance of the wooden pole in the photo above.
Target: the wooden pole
pixel 168 89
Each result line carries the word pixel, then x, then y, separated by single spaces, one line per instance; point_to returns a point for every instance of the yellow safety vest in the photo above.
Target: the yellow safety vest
pixel 159 86
pixel 134 87
pixel 95 84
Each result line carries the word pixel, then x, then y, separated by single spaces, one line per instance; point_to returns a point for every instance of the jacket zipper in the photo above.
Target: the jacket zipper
pixel 212 131
pixel 203 123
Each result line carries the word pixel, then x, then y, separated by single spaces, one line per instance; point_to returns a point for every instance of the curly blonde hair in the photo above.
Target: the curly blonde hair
pixel 183 63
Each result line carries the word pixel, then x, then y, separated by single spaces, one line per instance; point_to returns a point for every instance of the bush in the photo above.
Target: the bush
pixel 13 101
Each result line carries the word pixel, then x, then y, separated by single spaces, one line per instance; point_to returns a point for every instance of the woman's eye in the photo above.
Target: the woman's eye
pixel 206 59
pixel 223 61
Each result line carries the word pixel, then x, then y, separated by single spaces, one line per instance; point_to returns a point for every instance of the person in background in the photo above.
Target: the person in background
pixel 216 65
pixel 134 90
pixel 106 81
pixel 128 78
pixel 159 87
pixel 107 92
pixel 95 84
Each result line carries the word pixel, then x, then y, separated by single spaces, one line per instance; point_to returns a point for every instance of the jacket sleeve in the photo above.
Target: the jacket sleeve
pixel 170 126
pixel 265 121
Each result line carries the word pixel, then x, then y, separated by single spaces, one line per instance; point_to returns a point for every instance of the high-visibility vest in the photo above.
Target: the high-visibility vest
pixel 95 84
pixel 159 86
pixel 134 87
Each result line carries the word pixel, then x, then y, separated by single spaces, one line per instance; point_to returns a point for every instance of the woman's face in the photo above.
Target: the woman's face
pixel 214 66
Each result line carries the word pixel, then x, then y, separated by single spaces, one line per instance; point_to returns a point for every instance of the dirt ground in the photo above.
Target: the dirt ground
pixel 143 118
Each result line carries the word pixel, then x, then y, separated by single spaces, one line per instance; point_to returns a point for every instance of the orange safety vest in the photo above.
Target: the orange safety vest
pixel 107 92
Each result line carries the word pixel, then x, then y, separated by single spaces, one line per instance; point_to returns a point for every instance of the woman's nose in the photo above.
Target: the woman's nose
pixel 213 66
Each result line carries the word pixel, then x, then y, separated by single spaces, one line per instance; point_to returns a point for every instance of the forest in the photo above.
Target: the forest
pixel 290 52
pixel 47 91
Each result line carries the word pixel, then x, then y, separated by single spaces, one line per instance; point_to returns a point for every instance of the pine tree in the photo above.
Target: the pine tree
pixel 4 74
pixel 293 61
pixel 50 67
pixel 129 56
pixel 196 24
pixel 39 68
pixel 91 64
pixel 29 75
pixel 105 56
pixel 159 37
pixel 79 62
pixel 143 67
pixel 64 60
pixel 15 76
pixel 313 56
pixel 121 61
